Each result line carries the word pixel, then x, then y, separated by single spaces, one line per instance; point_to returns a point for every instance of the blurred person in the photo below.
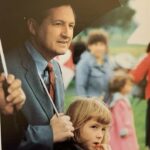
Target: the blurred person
pixel 94 70
pixel 78 49
pixel 123 134
pixel 141 73
pixel 91 119
pixel 124 61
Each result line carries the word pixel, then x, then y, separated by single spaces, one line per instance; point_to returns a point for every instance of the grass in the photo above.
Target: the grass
pixel 139 109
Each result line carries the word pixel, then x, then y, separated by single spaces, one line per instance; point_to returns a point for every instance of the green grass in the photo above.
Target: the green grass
pixel 139 109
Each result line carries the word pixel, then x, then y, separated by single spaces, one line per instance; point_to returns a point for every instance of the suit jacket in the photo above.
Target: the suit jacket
pixel 31 126
pixel 67 145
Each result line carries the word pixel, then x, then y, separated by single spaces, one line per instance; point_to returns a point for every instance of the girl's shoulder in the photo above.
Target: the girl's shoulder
pixel 118 100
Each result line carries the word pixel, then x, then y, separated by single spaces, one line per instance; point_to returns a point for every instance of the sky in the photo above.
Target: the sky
pixel 142 33
pixel 142 8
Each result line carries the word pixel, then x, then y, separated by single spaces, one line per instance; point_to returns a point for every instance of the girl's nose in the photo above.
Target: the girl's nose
pixel 99 134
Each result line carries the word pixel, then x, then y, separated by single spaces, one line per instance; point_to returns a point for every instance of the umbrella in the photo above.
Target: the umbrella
pixel 12 24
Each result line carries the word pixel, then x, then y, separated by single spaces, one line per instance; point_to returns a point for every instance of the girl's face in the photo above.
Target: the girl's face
pixel 127 88
pixel 92 134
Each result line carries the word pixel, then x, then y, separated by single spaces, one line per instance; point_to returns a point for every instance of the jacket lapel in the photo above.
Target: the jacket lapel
pixel 35 84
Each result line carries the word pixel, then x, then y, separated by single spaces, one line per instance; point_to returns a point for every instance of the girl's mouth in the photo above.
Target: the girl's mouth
pixel 97 145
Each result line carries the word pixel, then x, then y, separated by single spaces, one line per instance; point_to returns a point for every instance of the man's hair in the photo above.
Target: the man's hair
pixel 40 8
pixel 84 109
pixel 118 81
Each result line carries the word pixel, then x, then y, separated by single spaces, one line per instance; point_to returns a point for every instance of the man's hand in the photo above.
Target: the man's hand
pixel 62 128
pixel 15 98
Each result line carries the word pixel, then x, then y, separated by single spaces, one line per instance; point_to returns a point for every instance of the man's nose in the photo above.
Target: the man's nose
pixel 67 31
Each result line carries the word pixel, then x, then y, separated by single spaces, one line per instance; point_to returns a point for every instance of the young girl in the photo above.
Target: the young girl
pixel 91 120
pixel 123 136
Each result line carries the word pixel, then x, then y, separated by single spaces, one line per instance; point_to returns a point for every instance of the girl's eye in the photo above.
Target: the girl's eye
pixel 94 126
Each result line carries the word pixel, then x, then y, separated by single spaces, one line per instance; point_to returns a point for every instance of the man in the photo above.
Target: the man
pixel 50 34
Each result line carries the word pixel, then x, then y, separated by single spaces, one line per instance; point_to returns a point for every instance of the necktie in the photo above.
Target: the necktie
pixel 51 80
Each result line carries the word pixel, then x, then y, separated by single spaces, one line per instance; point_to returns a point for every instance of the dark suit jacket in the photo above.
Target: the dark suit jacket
pixel 67 145
pixel 31 126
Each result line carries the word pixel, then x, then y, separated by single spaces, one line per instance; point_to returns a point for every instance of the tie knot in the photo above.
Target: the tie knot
pixel 50 67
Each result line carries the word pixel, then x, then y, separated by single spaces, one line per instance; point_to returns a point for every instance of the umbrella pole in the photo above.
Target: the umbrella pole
pixel 6 74
pixel 45 88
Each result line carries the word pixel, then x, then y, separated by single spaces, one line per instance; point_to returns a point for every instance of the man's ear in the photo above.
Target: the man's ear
pixel 32 26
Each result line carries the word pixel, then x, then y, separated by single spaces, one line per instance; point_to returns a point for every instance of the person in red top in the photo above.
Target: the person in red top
pixel 139 73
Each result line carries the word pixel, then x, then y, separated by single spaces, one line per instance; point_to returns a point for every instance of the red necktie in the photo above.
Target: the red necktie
pixel 51 80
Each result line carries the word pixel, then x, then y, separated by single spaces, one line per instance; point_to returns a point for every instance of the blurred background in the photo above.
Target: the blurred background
pixel 129 34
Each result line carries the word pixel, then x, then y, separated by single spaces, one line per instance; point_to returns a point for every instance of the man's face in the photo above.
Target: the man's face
pixel 92 134
pixel 54 35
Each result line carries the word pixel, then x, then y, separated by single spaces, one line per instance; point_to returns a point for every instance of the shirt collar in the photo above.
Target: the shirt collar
pixel 40 61
pixel 118 96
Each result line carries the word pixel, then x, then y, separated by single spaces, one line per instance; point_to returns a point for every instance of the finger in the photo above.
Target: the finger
pixel 16 93
pixel 18 99
pixel 2 77
pixel 10 78
pixel 69 123
pixel 65 118
pixel 60 115
pixel 14 85
pixel 56 117
pixel 69 128
pixel 20 105
pixel 68 135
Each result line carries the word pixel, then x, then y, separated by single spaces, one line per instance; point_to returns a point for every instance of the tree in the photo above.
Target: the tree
pixel 120 17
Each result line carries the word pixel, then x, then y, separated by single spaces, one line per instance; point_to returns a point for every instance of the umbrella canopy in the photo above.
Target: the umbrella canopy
pixel 12 23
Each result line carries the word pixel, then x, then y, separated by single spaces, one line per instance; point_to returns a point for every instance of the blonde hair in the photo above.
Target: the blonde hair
pixel 84 109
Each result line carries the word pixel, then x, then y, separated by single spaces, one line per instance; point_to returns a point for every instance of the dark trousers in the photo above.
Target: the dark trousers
pixel 148 124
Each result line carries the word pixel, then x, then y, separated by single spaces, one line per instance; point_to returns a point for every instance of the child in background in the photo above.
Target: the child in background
pixel 123 135
pixel 91 120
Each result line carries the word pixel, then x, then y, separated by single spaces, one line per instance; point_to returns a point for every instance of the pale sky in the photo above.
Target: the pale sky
pixel 143 10
pixel 142 33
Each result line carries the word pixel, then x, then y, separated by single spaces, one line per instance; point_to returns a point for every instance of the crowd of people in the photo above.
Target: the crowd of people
pixel 115 82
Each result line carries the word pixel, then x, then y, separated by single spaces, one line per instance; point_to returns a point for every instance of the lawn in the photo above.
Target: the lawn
pixel 139 107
